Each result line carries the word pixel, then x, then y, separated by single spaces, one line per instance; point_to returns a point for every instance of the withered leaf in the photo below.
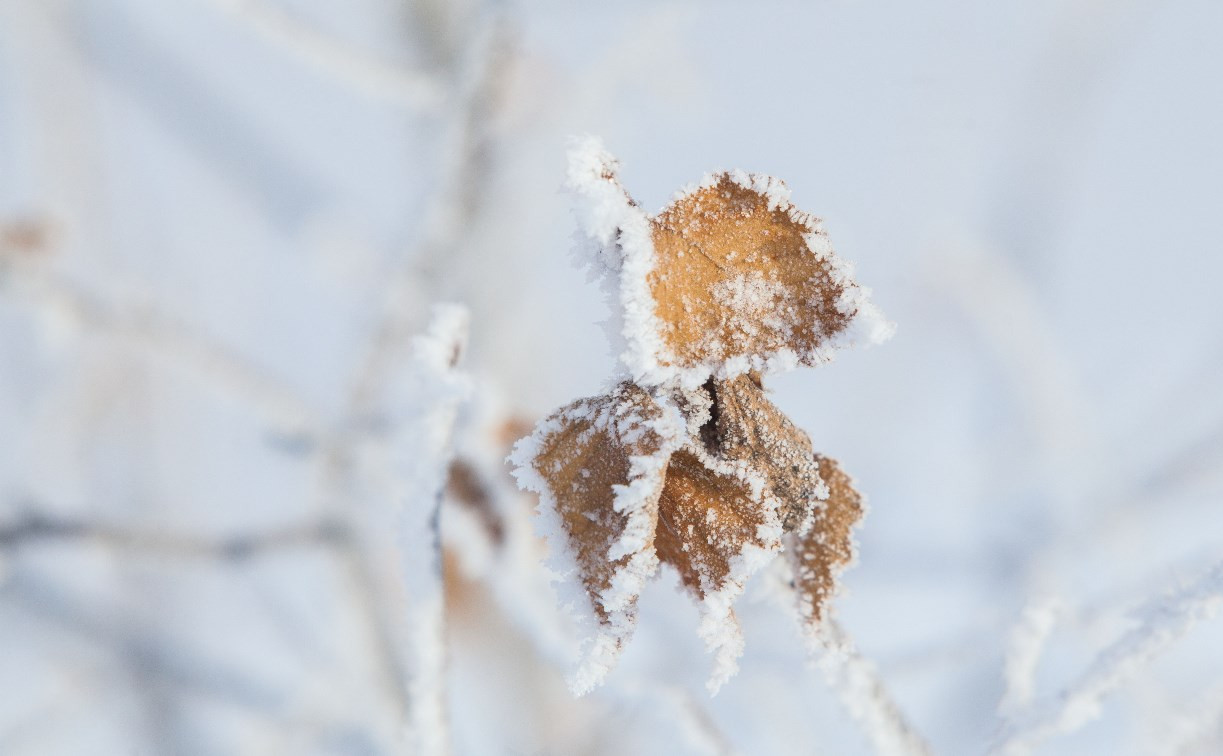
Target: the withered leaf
pixel 705 520
pixel 748 429
pixel 600 461
pixel 735 277
pixel 699 469
pixel 821 553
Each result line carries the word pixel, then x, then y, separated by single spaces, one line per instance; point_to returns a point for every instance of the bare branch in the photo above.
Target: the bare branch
pixel 1026 644
pixel 34 528
pixel 1079 703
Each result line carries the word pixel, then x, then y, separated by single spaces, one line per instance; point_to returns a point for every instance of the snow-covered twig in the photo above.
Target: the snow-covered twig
pixel 1079 703
pixel 1027 643
pixel 424 446
pixel 856 681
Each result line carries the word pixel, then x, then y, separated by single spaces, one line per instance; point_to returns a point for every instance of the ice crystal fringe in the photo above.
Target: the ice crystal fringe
pixel 685 461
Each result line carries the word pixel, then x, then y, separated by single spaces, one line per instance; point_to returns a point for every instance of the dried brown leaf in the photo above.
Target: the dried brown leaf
pixel 705 520
pixel 584 462
pixel 735 278
pixel 821 553
pixel 746 428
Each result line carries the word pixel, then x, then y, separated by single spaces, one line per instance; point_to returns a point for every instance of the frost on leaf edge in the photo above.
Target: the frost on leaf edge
pixel 619 249
pixel 819 635
pixel 636 497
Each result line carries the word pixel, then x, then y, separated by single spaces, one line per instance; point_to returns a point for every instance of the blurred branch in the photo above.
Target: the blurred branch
pixel 1196 729
pixel 1002 305
pixel 676 706
pixel 856 681
pixel 1164 623
pixel 1025 646
pixel 349 65
pixel 36 528
pixel 424 450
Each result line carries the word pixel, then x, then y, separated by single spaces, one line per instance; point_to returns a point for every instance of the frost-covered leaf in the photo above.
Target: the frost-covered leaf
pixel 823 551
pixel 747 429
pixel 687 461
pixel 729 277
pixel 598 466
pixel 741 276
pixel 716 530
pixel 706 520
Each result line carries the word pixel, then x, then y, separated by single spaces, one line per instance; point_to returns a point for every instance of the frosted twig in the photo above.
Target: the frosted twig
pixel 356 68
pixel 856 681
pixel 423 447
pixel 1027 643
pixel 1079 703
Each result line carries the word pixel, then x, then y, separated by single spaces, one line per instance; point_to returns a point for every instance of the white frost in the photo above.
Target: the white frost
pixel 637 499
pixel 615 242
pixel 1162 625
pixel 423 446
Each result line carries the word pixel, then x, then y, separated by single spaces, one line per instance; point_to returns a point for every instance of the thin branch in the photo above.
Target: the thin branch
pixel 34 528
pixel 424 450
pixel 171 661
pixel 677 707
pixel 1026 645
pixel 857 683
pixel 1080 702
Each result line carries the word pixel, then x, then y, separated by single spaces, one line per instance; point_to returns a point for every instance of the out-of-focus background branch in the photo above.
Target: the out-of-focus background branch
pixel 224 222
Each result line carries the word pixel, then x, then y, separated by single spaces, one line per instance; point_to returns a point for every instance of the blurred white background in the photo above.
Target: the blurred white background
pixel 221 222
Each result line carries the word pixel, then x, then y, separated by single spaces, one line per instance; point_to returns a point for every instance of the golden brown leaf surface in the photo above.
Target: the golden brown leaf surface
pixel 582 461
pixel 704 521
pixel 748 428
pixel 733 278
pixel 822 552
